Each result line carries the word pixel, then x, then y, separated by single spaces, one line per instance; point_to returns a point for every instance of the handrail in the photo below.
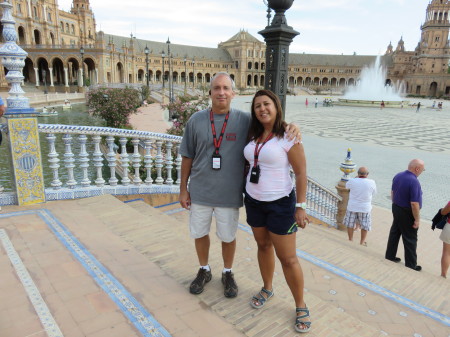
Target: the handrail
pixel 105 131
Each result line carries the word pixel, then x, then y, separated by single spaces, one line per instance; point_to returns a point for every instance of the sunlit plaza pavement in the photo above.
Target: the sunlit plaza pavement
pixel 95 283
pixel 383 140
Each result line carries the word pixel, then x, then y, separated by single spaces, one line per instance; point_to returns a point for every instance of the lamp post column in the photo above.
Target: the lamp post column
pixel 82 67
pixel 146 51
pixel 163 55
pixel 185 76
pixel 278 36
pixel 193 73
pixel 170 76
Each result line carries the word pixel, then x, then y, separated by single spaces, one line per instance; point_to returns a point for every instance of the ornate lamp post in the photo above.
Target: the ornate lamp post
pixel 170 71
pixel 44 79
pixel 82 66
pixel 146 51
pixel 193 72
pixel 170 77
pixel 163 55
pixel 278 36
pixel 185 76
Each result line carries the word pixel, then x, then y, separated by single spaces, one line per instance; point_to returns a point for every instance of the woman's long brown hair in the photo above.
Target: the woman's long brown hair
pixel 256 128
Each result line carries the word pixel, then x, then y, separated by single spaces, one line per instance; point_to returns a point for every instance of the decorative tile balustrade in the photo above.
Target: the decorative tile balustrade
pixel 100 160
pixel 322 203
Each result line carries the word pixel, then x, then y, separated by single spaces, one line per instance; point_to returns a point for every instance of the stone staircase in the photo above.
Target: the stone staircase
pixel 350 289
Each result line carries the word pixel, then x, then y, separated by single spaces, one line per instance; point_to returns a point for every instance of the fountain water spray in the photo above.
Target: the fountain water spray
pixel 371 89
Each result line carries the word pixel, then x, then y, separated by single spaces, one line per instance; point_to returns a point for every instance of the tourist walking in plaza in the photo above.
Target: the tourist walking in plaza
pixel 406 195
pixel 274 208
pixel 316 102
pixel 213 163
pixel 418 107
pixel 359 205
pixel 445 237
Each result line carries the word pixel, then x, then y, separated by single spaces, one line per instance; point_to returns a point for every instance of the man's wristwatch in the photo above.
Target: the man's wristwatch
pixel 302 205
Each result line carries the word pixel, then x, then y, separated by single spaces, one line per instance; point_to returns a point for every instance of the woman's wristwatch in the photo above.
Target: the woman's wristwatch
pixel 302 205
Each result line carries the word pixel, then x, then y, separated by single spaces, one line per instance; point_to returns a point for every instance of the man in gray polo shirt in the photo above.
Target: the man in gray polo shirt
pixel 213 162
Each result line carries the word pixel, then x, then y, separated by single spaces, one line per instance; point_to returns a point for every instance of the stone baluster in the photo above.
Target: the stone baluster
pixel 148 161
pixel 111 157
pixel 327 202
pixel 98 160
pixel 124 160
pixel 159 163
pixel 84 160
pixel 316 199
pixel 178 165
pixel 169 163
pixel 53 160
pixel 136 159
pixel 321 203
pixel 69 160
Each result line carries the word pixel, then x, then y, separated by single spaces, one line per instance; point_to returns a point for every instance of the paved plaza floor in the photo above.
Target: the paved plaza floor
pixel 98 267
pixel 384 140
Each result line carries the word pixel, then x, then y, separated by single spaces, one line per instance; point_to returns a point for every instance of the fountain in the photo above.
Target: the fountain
pixel 372 90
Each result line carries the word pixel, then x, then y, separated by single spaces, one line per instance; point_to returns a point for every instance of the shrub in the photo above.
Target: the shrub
pixel 183 109
pixel 114 105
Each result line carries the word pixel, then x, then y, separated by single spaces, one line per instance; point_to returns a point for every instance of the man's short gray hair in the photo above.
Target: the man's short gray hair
pixel 223 73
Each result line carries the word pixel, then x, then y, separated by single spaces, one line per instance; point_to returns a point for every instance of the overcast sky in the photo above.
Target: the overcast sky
pixel 326 26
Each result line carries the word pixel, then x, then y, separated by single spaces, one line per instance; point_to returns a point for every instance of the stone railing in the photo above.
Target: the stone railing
pixel 322 203
pixel 85 161
pixel 145 159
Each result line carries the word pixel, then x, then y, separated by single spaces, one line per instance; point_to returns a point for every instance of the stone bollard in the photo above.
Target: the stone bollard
pixel 347 167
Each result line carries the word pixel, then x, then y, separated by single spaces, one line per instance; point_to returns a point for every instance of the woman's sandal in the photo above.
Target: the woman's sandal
pixel 299 321
pixel 260 299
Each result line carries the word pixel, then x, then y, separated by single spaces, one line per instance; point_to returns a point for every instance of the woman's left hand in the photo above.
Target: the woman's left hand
pixel 301 218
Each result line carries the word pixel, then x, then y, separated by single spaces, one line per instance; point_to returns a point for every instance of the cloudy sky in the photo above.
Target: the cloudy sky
pixel 326 26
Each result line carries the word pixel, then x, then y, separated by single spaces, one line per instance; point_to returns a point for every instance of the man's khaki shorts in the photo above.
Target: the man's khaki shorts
pixel 227 219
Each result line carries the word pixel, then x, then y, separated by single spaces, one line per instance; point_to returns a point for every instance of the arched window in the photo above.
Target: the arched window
pixel 73 29
pixel 35 13
pixel 62 26
pixel 49 17
pixel 67 28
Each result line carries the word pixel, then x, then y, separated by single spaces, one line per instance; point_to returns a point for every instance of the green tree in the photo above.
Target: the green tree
pixel 114 105
pixel 183 109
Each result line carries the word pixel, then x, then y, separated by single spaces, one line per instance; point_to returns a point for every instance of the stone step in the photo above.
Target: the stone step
pixel 168 245
pixel 330 249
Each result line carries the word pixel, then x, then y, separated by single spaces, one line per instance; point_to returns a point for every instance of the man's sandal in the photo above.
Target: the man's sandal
pixel 259 300
pixel 299 321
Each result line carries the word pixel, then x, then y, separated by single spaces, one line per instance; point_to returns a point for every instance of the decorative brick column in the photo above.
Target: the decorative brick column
pixel 22 123
pixel 347 167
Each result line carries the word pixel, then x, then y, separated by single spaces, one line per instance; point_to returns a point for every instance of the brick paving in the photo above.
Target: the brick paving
pixel 151 256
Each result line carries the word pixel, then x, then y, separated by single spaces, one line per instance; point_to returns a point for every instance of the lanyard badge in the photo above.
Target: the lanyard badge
pixel 216 162
pixel 256 171
pixel 254 174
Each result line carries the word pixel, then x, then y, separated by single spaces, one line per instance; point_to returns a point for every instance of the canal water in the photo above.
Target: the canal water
pixel 78 115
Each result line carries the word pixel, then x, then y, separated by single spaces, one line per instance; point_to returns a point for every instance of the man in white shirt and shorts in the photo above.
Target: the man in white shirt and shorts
pixel 359 205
